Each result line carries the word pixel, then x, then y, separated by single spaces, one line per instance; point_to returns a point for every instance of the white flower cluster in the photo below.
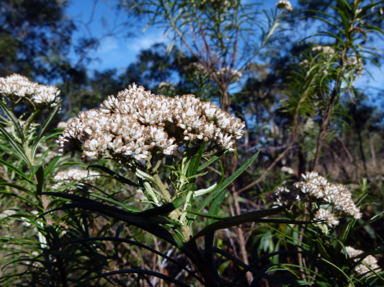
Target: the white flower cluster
pixel 304 63
pixel 7 212
pixel 223 73
pixel 315 188
pixel 324 49
pixel 195 67
pixel 137 122
pixel 16 87
pixel 370 261
pixel 74 175
pixel 337 195
pixel 326 216
pixel 227 73
pixel 284 4
pixel 356 64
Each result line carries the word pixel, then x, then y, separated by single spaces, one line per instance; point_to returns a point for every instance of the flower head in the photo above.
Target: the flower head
pixel 137 123
pixel 226 73
pixel 326 216
pixel 284 4
pixel 315 188
pixel 370 261
pixel 195 68
pixel 17 87
pixel 74 175
pixel 324 49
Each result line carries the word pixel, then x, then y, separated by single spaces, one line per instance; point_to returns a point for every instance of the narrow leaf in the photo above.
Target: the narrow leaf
pixel 14 120
pixel 239 219
pixel 44 128
pixel 224 184
pixel 115 175
pixel 16 146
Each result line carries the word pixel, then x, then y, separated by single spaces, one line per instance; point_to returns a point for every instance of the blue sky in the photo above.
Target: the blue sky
pixel 118 52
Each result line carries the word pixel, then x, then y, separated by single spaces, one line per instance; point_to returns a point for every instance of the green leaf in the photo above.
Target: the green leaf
pixel 330 34
pixel 367 7
pixel 115 175
pixel 132 209
pixel 18 187
pixel 65 255
pixel 263 274
pixel 254 216
pixel 196 176
pixel 14 120
pixel 224 184
pixel 374 28
pixel 16 170
pixel 164 209
pixel 51 166
pixel 45 154
pixel 144 222
pixel 223 266
pixel 209 162
pixel 40 179
pixel 19 151
pixel 344 19
pixel 329 23
pixel 206 215
pixel 215 207
pixel 338 269
pixel 16 195
pixel 131 242
pixel 194 165
pixel 44 128
pixel 322 250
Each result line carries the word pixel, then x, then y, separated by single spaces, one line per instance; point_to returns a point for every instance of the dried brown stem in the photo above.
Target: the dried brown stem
pixel 241 240
pixel 327 115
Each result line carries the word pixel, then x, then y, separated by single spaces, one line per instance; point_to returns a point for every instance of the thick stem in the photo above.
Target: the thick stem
pixel 162 188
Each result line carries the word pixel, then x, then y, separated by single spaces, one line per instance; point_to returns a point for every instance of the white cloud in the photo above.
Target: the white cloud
pixel 146 41
pixel 108 44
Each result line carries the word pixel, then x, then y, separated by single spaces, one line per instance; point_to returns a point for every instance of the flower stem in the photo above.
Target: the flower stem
pixel 162 187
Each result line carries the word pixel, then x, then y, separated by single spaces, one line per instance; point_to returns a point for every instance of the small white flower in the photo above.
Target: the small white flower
pixel 284 4
pixel 326 216
pixel 227 73
pixel 324 49
pixel 6 213
pixel 74 175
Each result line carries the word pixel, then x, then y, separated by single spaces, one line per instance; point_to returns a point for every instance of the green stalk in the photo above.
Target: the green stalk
pixel 162 188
